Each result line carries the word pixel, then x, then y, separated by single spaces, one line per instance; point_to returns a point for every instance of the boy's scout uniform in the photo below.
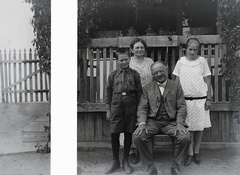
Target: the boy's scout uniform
pixel 123 93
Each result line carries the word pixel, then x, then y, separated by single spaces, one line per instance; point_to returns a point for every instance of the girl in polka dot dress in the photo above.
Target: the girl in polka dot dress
pixel 195 77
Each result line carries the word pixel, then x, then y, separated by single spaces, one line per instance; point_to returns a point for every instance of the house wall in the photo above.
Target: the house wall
pixel 115 16
pixel 15 116
pixel 225 130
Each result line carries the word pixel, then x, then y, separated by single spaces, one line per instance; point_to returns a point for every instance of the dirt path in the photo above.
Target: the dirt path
pixel 94 161
pixel 221 161
pixel 25 164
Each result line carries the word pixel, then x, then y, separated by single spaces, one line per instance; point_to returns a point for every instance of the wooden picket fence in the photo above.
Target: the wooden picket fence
pixel 97 61
pixel 21 78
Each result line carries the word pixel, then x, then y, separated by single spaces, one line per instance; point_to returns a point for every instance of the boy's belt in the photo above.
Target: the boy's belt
pixel 195 98
pixel 124 93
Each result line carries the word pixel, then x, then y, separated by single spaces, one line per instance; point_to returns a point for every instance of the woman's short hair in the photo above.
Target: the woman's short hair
pixel 136 40
pixel 190 40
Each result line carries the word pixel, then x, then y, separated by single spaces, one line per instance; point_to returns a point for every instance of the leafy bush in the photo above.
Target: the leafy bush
pixel 229 22
pixel 87 10
pixel 41 23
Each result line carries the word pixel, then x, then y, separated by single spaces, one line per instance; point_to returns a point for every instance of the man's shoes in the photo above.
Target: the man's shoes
pixel 126 166
pixel 115 166
pixel 175 171
pixel 188 160
pixel 197 159
pixel 152 170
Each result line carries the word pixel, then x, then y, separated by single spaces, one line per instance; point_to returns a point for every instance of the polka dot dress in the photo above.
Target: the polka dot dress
pixel 191 75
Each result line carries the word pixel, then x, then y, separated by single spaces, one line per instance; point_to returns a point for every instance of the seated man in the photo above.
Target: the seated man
pixel 162 109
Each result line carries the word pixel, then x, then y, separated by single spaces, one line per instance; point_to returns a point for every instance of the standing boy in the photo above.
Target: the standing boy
pixel 123 93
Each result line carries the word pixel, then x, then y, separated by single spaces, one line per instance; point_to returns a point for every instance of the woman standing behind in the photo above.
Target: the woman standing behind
pixel 195 77
pixel 140 63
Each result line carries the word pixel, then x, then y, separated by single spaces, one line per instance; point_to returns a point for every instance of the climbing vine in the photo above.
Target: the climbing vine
pixel 229 22
pixel 41 23
pixel 87 17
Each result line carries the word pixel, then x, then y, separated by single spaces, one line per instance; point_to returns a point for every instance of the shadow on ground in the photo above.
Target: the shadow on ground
pixel 221 161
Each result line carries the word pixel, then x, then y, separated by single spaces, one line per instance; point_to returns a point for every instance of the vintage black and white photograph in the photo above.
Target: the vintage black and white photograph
pixel 25 58
pixel 158 87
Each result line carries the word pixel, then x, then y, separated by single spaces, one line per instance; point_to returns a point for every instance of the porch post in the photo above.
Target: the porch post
pixel 179 17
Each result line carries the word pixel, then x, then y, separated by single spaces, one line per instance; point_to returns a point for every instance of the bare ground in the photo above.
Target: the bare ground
pixel 220 161
pixel 94 161
pixel 31 163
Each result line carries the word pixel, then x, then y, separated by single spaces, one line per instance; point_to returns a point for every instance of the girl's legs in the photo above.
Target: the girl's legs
pixel 190 151
pixel 189 157
pixel 197 141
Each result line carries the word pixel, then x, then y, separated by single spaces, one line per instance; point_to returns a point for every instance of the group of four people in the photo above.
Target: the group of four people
pixel 142 102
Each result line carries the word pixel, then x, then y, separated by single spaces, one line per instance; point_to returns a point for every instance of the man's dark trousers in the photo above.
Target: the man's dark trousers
pixel 154 127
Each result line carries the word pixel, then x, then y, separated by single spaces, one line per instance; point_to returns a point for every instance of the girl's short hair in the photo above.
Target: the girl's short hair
pixel 192 40
pixel 136 40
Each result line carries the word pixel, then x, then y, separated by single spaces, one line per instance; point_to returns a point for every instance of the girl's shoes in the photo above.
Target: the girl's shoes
pixel 197 158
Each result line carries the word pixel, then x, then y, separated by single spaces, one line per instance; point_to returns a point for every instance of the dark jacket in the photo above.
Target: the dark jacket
pixel 174 102
pixel 114 84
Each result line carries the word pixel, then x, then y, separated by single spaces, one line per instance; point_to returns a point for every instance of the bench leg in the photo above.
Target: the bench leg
pixel 151 145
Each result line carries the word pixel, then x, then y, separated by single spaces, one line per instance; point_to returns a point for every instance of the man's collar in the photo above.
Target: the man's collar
pixel 163 84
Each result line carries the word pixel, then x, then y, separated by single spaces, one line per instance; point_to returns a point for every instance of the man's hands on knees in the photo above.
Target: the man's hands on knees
pixel 181 129
pixel 140 129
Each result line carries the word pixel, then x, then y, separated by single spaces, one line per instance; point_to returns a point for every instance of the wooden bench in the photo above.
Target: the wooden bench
pixel 160 138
